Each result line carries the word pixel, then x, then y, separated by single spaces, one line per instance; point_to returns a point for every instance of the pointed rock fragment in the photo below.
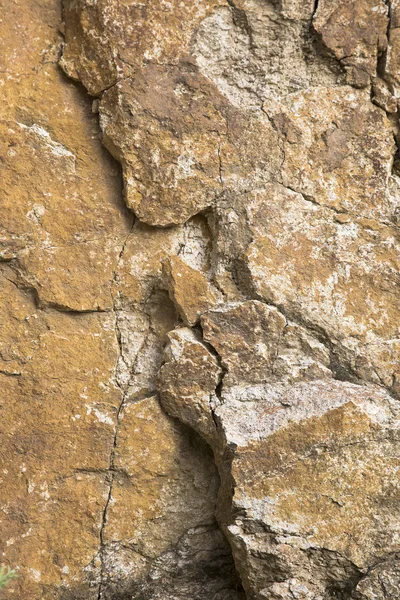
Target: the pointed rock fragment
pixel 189 289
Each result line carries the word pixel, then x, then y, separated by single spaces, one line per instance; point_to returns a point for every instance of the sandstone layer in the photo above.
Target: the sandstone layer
pixel 199 299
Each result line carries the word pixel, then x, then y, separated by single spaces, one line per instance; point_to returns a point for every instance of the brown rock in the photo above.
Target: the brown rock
pixel 139 271
pixel 65 375
pixel 256 344
pixel 155 497
pixel 326 492
pixel 181 144
pixel 355 31
pixel 108 40
pixel 171 166
pixel 65 230
pixel 383 97
pixel 313 471
pixel 253 168
pixel 189 289
pixel 55 454
pixel 188 380
pixel 246 337
pixel 338 151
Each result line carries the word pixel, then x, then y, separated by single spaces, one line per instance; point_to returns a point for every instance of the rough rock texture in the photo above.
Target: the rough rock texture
pixel 200 340
pixel 381 582
pixel 101 491
pixel 189 289
pixel 309 474
pixel 356 34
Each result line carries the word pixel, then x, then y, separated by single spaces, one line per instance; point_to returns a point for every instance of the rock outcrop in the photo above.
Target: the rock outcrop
pixel 200 299
pixel 308 472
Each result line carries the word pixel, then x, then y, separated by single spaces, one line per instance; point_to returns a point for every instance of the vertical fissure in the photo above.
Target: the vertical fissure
pixel 111 469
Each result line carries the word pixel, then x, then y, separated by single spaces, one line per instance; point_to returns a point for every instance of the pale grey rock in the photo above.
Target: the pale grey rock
pixel 381 583
pixel 256 344
pixel 257 53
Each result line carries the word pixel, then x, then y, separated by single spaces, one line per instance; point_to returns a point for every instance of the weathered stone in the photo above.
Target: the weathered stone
pixel 175 124
pixel 262 268
pixel 181 144
pixel 338 150
pixel 169 151
pixel 246 337
pixel 188 381
pixel 189 289
pixel 355 31
pixel 259 52
pixel 381 582
pixel 313 471
pixel 383 96
pixel 66 375
pixel 200 564
pixel 333 433
pixel 146 513
pixel 109 40
pixel 139 270
pixel 55 455
pixel 392 62
pixel 142 335
pixel 256 344
pixel 339 277
pixel 60 190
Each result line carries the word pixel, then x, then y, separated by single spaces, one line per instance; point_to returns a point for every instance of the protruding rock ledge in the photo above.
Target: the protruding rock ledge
pixel 312 469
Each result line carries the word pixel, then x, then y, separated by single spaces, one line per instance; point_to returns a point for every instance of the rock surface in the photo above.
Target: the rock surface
pixel 309 480
pixel 84 313
pixel 200 340
pixel 356 33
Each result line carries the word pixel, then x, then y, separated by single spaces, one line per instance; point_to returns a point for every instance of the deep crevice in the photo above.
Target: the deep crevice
pixel 241 21
pixel 316 6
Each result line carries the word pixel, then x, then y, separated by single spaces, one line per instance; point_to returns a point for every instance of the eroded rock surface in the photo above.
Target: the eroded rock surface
pixel 355 31
pixel 230 281
pixel 381 582
pixel 308 471
pixel 84 313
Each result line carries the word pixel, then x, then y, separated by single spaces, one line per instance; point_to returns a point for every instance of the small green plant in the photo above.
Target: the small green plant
pixel 6 575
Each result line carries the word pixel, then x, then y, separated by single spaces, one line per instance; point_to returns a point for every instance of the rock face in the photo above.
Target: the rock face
pixel 308 468
pixel 200 340
pixel 95 477
pixel 356 34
